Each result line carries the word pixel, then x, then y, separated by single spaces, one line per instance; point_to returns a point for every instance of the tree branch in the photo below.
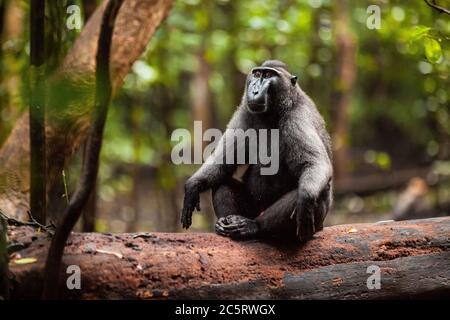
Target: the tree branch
pixel 437 7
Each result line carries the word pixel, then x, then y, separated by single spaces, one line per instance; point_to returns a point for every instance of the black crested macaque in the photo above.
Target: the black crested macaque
pixel 290 203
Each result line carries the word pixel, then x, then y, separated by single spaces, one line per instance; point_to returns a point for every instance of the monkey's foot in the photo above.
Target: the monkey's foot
pixel 237 227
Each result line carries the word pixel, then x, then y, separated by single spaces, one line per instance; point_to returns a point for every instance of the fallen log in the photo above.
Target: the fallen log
pixel 413 258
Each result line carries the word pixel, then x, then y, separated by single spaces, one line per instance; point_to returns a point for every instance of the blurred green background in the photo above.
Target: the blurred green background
pixel 384 94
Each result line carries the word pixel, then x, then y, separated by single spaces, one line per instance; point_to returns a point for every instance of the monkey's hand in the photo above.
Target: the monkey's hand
pixel 191 202
pixel 304 213
pixel 237 227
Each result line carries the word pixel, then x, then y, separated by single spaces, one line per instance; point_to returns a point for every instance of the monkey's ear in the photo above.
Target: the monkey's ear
pixel 294 80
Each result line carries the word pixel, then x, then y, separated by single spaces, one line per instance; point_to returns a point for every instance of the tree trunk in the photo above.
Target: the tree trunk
pixel 38 178
pixel 343 86
pixel 4 274
pixel 90 210
pixel 200 95
pixel 202 111
pixel 13 28
pixel 135 116
pixel 72 96
pixel 3 92
pixel 89 7
pixel 413 257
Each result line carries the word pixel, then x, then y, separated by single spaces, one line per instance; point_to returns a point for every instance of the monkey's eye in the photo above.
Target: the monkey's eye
pixel 257 74
pixel 268 74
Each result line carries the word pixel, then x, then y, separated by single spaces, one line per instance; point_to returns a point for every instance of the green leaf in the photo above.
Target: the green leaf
pixel 25 261
pixel 419 32
pixel 433 50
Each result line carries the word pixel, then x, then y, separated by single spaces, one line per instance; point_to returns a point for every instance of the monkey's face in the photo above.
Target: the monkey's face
pixel 265 85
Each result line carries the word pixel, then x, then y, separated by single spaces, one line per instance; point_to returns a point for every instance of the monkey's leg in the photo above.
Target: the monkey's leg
pixel 232 203
pixel 231 198
pixel 278 219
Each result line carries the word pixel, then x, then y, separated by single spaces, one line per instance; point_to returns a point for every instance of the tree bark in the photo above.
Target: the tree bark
pixel 71 98
pixel 38 178
pixel 4 273
pixel 413 257
pixel 13 28
pixel 89 7
pixel 345 79
pixel 89 214
pixel 202 111
pixel 90 211
pixel 200 95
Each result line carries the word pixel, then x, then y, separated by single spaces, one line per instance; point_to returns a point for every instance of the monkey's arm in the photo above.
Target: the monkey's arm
pixel 311 206
pixel 214 171
pixel 211 173
pixel 308 158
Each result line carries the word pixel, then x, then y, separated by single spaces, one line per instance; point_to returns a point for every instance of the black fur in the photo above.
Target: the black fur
pixel 294 201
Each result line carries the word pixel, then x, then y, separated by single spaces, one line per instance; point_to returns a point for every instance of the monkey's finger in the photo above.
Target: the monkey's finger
pixel 319 215
pixel 184 223
pixel 306 225
pixel 298 214
pixel 221 231
pixel 240 233
pixel 189 218
pixel 239 230
pixel 182 218
pixel 222 222
pixel 234 226
pixel 186 217
pixel 247 234
pixel 220 227
pixel 234 219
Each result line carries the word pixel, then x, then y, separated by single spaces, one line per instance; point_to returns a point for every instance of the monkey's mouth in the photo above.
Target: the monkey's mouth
pixel 256 107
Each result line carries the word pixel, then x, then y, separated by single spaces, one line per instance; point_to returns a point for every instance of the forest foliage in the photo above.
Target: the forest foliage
pixel 398 115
